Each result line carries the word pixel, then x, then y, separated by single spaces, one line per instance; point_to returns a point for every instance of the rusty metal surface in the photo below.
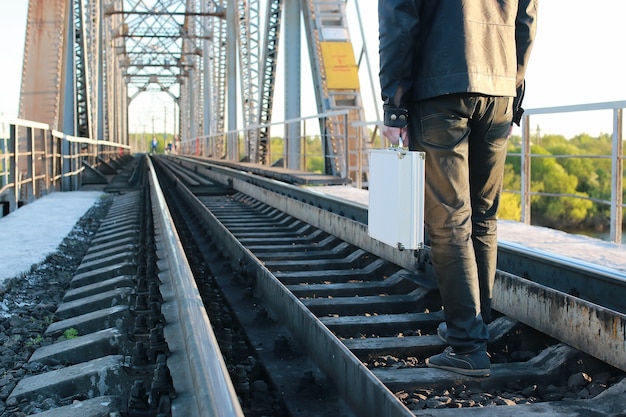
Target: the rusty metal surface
pixel 586 326
pixel 42 73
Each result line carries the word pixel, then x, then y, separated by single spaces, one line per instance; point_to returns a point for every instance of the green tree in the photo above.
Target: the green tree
pixel 548 176
pixel 552 141
pixel 315 157
pixel 593 174
pixel 574 170
pixel 510 203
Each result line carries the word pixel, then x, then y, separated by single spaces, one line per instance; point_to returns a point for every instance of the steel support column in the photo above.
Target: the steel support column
pixel 292 12
pixel 231 64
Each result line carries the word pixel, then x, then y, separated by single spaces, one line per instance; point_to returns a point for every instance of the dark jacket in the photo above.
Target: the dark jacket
pixel 430 48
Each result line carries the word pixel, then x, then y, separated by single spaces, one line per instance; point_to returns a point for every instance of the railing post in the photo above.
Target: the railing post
pixel 230 146
pixel 13 162
pixel 346 151
pixel 325 147
pixel 56 160
pixel 240 143
pixel 525 171
pixel 3 161
pixel 78 157
pixel 617 172
pixel 305 156
pixel 72 165
pixel 66 164
pixel 359 150
pixel 31 171
pixel 268 155
pixel 47 168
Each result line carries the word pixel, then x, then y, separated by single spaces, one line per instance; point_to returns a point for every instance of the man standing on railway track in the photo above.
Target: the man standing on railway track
pixel 452 80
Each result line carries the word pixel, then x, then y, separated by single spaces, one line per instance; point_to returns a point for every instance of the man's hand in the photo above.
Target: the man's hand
pixel 393 134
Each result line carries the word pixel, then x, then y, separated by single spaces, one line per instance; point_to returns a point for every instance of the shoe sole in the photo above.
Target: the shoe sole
pixel 467 372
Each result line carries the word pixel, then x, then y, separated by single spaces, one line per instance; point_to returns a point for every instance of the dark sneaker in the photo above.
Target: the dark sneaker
pixel 442 332
pixel 470 364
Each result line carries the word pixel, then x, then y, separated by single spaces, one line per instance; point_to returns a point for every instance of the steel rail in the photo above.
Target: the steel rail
pixel 203 368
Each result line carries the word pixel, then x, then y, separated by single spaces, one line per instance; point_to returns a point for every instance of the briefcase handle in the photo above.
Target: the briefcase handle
pixel 402 151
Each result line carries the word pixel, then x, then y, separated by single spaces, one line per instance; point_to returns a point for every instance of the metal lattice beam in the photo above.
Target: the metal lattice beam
pixel 248 42
pixel 111 51
pixel 268 72
pixel 83 117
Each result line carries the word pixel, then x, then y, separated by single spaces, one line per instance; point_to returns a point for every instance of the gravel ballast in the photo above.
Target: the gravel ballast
pixel 27 306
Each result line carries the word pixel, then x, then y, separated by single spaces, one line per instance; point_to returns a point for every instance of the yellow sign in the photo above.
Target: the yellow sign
pixel 340 66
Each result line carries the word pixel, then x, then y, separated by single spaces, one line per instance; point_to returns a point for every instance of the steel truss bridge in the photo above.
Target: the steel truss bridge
pixel 85 61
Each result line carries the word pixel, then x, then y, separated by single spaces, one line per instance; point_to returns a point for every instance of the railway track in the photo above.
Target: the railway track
pixel 307 316
pixel 383 306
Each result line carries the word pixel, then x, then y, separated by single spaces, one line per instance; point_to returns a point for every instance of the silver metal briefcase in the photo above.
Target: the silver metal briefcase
pixel 396 197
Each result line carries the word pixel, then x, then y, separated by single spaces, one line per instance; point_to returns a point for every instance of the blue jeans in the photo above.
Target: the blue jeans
pixel 464 137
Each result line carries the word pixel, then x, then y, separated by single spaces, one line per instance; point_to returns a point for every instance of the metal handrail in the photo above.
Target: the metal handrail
pixel 227 145
pixel 616 157
pixel 617 160
pixel 36 160
pixel 616 203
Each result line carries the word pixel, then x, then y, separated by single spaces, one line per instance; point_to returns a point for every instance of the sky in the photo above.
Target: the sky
pixel 578 58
